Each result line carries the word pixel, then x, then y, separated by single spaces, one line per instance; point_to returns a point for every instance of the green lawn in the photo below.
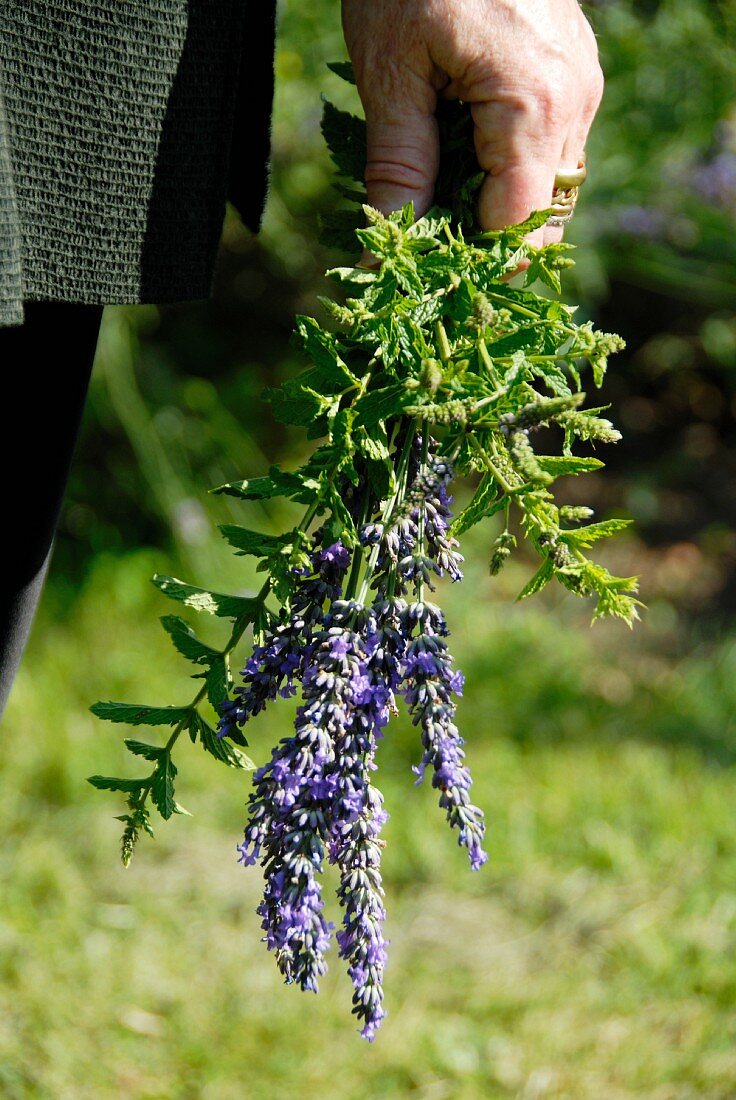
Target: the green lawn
pixel 592 957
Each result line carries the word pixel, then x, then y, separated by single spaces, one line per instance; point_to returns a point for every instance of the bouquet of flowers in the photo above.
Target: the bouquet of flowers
pixel 433 366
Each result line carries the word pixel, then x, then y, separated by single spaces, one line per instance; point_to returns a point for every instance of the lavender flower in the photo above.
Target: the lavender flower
pixel 432 502
pixel 430 682
pixel 416 542
pixel 291 805
pixel 357 851
pixel 358 814
pixel 273 666
pixel 315 794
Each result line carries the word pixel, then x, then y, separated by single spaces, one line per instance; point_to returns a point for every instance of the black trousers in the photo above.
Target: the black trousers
pixel 45 366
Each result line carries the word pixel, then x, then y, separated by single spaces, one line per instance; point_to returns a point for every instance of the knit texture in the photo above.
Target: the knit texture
pixel 116 129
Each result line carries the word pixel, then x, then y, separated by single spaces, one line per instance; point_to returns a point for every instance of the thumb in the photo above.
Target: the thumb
pixel 402 149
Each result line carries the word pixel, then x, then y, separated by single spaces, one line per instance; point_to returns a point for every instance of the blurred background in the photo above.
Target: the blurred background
pixel 594 955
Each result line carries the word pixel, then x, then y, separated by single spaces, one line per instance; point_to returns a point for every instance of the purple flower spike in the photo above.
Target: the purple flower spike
pixel 358 816
pixel 273 667
pixel 357 851
pixel 430 682
pixel 292 804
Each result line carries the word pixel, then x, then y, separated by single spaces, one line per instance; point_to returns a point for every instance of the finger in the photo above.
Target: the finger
pixel 402 147
pixel 402 155
pixel 572 155
pixel 520 165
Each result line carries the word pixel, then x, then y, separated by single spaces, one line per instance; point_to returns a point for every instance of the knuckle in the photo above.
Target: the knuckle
pixel 597 84
pixel 397 167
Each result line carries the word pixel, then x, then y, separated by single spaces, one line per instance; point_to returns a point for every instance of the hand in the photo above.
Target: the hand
pixel 529 69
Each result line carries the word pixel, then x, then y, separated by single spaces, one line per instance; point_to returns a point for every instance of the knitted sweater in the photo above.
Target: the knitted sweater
pixel 124 126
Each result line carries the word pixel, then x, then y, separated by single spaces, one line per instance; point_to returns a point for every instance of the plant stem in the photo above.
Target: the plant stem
pixel 235 637
pixel 396 498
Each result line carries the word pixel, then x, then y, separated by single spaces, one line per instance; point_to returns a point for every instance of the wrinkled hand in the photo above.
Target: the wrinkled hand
pixel 529 68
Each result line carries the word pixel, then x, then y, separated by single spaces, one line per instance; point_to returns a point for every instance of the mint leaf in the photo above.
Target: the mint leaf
pixel 186 641
pixel 486 502
pixel 202 599
pixel 218 681
pixel 255 543
pixel 345 135
pixel 111 783
pixel 221 748
pixel 134 715
pixel 162 789
pixel 139 748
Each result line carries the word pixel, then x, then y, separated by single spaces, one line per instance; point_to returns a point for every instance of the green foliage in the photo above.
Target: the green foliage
pixel 202 599
pixel 134 715
pixel 436 338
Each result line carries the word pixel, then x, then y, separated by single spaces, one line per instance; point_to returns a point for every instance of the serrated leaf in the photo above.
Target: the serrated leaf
pixel 218 681
pixel 378 405
pixel 221 604
pixel 562 465
pixel 253 488
pixel 535 221
pixel 221 748
pixel 297 403
pixel 162 788
pixel 135 715
pixel 254 543
pixel 186 641
pixel 322 350
pixel 486 502
pixel 381 477
pixel 345 135
pixel 140 748
pixel 337 228
pixel 113 783
pixel 373 444
pixel 541 269
pixel 343 69
pixel 541 578
pixel 586 536
pixel 357 276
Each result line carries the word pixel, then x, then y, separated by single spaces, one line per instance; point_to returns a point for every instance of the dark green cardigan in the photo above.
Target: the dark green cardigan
pixel 124 126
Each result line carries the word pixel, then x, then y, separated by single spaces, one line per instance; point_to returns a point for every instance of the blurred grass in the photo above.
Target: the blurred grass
pixel 593 956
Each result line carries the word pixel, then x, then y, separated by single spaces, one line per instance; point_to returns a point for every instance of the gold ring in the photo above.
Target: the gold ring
pixel 568 182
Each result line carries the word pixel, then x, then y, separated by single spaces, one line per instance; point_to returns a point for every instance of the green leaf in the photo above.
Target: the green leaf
pixel 186 641
pixel 561 465
pixel 162 789
pixel 254 488
pixel 296 402
pixel 139 748
pixel 297 485
pixel 134 715
pixel 541 268
pixel 355 276
pixel 218 681
pixel 534 221
pixel 337 228
pixel 255 543
pixel 343 69
pixel 378 405
pixel 221 748
pixel 111 783
pixel 345 135
pixel 486 502
pixel 541 578
pixel 202 599
pixel 322 350
pixel 586 536
pixel 374 444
